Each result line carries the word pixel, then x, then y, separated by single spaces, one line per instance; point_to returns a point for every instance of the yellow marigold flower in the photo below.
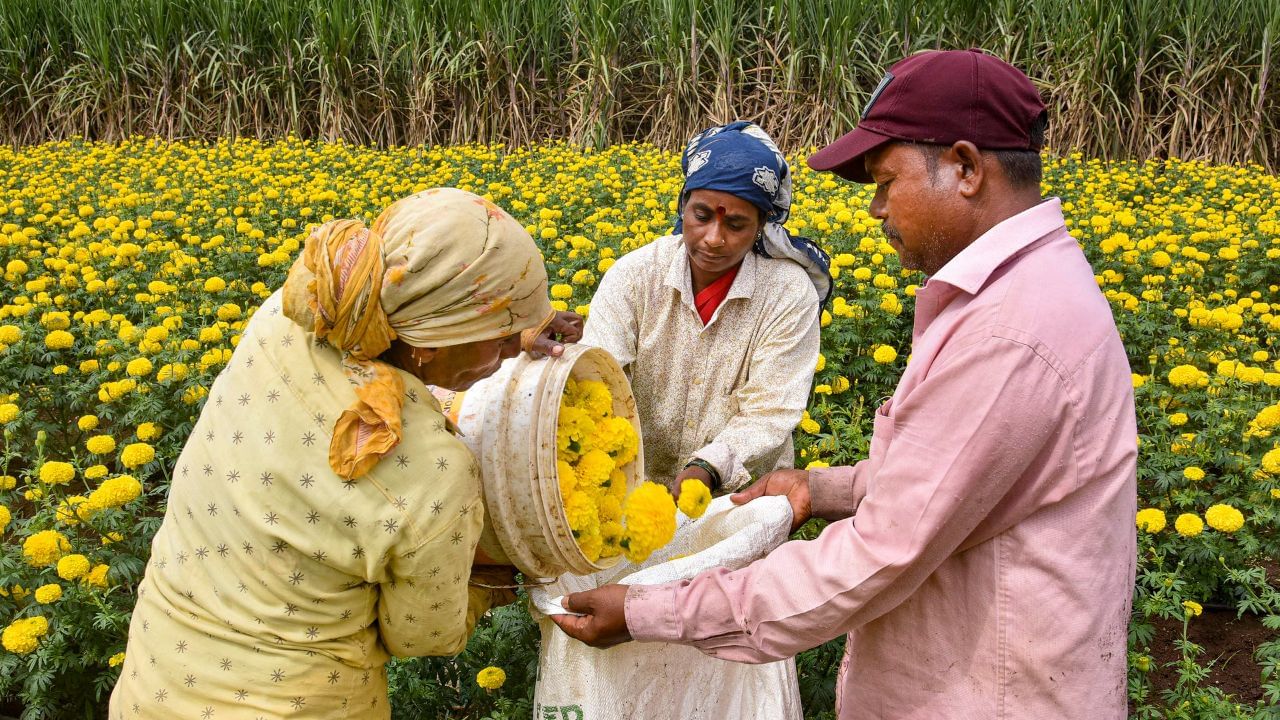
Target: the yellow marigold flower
pixel 50 593
pixel 694 498
pixel 137 454
pixel 649 521
pixel 1151 520
pixel 87 422
pixel 885 355
pixel 56 473
pixel 23 636
pixel 1186 376
pixel 73 567
pixel 822 363
pixel 115 492
pixel 817 464
pixel 215 284
pixel 567 479
pixel 1224 518
pixel 148 431
pixel 1271 461
pixel 840 384
pixel 10 334
pixel 810 426
pixel 826 319
pixel 1178 419
pixel 581 511
pixel 100 444
pixel 45 548
pixel 1192 608
pixel 1188 525
pixel 139 367
pixel 5 517
pixel 228 312
pixel 561 291
pixel 8 413
pixel 93 472
pixel 593 470
pixel 491 678
pixel 1275 493
pixel 115 660
pixel 97 577
pixel 112 537
pixel 1193 473
pixel 8 482
pixel 59 340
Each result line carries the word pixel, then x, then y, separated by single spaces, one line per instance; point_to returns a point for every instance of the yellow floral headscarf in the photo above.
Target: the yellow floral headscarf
pixel 442 267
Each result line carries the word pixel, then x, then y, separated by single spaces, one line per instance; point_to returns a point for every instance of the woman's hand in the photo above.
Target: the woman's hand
pixel 565 327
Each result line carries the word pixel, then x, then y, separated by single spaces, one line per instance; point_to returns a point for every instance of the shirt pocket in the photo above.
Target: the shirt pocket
pixel 881 435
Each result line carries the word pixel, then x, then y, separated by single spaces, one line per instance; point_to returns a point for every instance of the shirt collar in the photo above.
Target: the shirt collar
pixel 968 271
pixel 678 276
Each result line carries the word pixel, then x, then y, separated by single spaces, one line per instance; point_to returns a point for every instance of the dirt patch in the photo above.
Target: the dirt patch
pixel 1228 640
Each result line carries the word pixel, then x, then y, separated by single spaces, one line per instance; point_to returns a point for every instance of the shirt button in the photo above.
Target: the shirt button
pixel 689 424
pixel 697 381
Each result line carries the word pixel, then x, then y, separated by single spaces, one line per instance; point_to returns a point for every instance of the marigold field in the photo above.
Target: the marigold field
pixel 131 268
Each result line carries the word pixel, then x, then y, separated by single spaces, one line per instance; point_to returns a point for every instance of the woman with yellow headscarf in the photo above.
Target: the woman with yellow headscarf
pixel 322 515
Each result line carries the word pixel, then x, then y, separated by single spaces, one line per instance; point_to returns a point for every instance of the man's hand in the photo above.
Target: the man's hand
pixel 794 484
pixel 565 327
pixel 603 623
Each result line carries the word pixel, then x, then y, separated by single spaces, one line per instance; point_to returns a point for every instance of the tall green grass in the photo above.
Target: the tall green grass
pixel 1188 78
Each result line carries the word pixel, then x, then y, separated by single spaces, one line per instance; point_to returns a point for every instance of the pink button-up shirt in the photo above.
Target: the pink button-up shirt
pixel 988 570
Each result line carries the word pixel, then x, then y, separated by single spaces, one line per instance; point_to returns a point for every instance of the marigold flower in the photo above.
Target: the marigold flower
pixel 1178 419
pixel 694 498
pixel 561 291
pixel 885 355
pixel 8 413
pixel 1188 525
pixel 23 636
pixel 115 492
pixel 97 577
pixel 73 567
pixel 1224 518
pixel 1193 473
pixel 491 678
pixel 87 422
pixel 45 548
pixel 59 340
pixel 56 473
pixel 1193 608
pixel 139 367
pixel 648 518
pixel 148 431
pixel 5 517
pixel 1151 520
pixel 137 454
pixel 100 444
pixel 50 593
pixel 115 660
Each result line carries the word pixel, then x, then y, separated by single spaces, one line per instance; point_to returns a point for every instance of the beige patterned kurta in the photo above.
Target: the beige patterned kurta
pixel 275 588
pixel 731 392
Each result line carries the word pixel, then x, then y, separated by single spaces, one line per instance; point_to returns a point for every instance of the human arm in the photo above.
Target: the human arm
pixel 961 440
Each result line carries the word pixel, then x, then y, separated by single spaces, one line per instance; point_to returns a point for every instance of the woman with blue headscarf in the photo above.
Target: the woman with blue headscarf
pixel 717 327
pixel 717 324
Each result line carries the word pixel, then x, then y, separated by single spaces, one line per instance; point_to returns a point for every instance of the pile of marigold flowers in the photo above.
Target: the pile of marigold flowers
pixel 592 447
pixel 131 268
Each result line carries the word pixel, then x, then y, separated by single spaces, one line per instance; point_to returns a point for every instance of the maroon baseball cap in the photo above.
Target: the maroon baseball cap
pixel 940 97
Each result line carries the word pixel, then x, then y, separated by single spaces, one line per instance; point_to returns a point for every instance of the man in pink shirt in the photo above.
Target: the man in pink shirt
pixel 981 559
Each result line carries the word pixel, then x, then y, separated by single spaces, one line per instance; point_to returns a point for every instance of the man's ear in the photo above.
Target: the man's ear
pixel 967 160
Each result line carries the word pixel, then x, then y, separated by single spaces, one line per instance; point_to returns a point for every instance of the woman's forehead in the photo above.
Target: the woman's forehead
pixel 718 199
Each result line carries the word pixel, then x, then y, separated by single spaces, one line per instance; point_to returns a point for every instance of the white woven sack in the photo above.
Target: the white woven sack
pixel 660 681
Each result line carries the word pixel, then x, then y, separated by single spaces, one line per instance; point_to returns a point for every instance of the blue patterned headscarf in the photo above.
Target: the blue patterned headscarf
pixel 742 160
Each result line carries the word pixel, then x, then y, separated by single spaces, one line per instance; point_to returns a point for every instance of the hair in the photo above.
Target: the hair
pixel 1022 167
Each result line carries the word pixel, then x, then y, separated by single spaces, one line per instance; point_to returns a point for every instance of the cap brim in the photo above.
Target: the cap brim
pixel 845 156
